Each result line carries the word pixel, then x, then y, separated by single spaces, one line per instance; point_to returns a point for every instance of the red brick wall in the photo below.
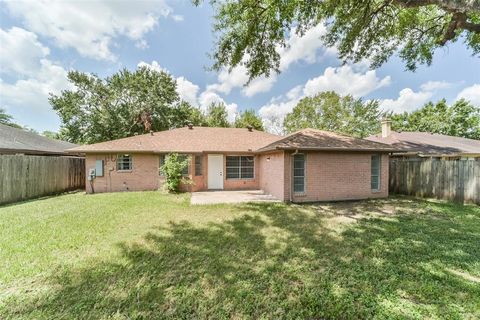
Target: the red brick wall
pixel 198 183
pixel 143 176
pixel 329 176
pixel 272 174
pixel 340 176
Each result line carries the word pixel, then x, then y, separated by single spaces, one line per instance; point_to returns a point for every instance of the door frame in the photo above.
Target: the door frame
pixel 209 171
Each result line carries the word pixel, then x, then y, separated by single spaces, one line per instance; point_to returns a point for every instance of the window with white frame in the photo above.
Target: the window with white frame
pixel 375 172
pixel 299 173
pixel 240 167
pixel 124 162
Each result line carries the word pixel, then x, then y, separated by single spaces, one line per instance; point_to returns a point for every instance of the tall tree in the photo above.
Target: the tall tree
pixel 118 106
pixel 248 118
pixel 331 112
pixel 251 32
pixel 217 115
pixel 50 134
pixel 7 119
pixel 186 113
pixel 462 119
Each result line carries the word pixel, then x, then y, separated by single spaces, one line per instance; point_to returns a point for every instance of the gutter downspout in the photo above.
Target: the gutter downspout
pixel 291 174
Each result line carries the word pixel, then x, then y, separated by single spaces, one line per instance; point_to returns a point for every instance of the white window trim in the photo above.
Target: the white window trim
pixel 124 170
pixel 379 189
pixel 239 173
pixel 304 192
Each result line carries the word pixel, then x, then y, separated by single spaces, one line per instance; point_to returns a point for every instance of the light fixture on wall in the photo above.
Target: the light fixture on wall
pixel 268 158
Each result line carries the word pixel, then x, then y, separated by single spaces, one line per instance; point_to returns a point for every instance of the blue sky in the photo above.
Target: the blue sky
pixel 42 40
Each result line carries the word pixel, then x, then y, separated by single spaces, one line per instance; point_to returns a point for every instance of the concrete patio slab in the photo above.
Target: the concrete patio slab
pixel 214 197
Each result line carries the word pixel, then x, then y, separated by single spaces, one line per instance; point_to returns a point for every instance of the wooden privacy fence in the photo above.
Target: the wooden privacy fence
pixel 24 177
pixel 451 179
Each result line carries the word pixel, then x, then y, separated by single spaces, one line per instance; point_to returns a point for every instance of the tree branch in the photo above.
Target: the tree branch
pixel 447 5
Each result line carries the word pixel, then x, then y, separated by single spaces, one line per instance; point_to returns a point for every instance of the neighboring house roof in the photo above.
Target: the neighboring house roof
pixel 425 143
pixel 14 140
pixel 311 139
pixel 185 140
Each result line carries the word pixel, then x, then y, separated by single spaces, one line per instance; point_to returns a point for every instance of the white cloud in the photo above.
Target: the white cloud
pixel 302 48
pixel 207 97
pixel 298 48
pixel 408 100
pixel 435 85
pixel 471 94
pixel 344 80
pixel 90 28
pixel 294 93
pixel 20 52
pixel 273 113
pixel 153 66
pixel 258 85
pixel 27 99
pixel 354 80
pixel 177 17
pixel 142 44
pixel 187 90
pixel 229 80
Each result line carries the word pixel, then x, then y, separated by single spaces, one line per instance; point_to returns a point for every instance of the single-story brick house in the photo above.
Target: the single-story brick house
pixel 308 165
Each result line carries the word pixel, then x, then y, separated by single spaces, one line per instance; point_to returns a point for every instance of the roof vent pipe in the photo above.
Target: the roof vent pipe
pixel 190 125
pixel 250 128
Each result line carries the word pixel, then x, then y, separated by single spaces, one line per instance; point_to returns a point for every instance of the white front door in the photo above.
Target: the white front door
pixel 215 171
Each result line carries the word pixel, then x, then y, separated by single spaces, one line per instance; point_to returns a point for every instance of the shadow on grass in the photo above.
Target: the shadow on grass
pixel 280 261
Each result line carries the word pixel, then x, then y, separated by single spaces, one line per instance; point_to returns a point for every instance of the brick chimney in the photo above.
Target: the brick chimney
pixel 386 127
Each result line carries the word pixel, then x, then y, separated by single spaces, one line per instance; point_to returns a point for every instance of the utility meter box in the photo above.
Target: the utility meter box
pixel 91 174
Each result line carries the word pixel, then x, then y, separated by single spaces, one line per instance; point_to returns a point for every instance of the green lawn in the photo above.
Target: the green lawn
pixel 145 255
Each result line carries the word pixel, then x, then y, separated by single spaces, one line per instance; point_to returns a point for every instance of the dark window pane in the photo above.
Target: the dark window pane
pixel 375 172
pixel 198 165
pixel 161 162
pixel 124 162
pixel 233 161
pixel 247 173
pixel 233 173
pixel 299 173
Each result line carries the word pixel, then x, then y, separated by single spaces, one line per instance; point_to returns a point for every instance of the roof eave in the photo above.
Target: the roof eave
pixel 339 149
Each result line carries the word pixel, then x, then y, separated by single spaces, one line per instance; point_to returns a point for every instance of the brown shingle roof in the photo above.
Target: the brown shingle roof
pixel 429 144
pixel 15 140
pixel 311 139
pixel 185 140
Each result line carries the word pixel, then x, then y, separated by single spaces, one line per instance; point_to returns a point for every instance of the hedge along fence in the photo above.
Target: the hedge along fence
pixel 24 177
pixel 450 179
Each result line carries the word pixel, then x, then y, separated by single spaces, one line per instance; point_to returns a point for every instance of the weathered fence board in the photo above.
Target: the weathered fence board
pixel 24 177
pixel 451 179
